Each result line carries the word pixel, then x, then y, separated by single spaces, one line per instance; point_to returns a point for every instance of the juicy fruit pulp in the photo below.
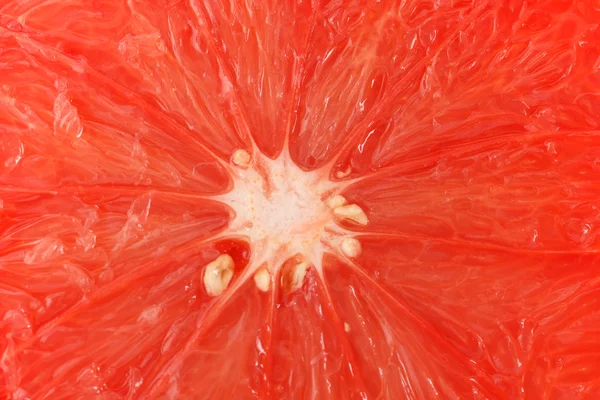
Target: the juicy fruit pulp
pixel 443 220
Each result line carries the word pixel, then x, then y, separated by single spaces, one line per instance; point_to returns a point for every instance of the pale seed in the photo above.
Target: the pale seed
pixel 336 201
pixel 351 247
pixel 352 212
pixel 241 158
pixel 262 279
pixel 218 274
pixel 344 173
pixel 294 278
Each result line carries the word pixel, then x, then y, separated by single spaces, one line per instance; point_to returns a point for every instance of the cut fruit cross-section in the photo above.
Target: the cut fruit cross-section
pixel 362 199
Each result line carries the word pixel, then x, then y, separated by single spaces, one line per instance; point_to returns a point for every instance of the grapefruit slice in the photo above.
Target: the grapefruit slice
pixel 368 199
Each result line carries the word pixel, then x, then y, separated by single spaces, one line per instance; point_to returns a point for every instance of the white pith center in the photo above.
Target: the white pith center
pixel 280 210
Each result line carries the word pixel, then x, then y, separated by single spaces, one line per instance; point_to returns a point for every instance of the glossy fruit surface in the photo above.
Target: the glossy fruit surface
pixel 284 199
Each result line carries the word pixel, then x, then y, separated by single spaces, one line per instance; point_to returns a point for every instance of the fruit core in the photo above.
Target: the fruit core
pixel 288 216
pixel 281 210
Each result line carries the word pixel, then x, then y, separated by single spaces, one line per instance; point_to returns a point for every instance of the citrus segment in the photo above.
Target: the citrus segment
pixel 395 350
pixel 466 89
pixel 523 196
pixel 157 55
pixel 230 337
pixel 369 57
pixel 490 318
pixel 134 324
pixel 71 244
pixel 85 131
pixel 260 46
pixel 307 328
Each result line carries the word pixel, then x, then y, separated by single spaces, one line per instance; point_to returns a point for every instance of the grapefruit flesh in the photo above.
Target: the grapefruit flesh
pixel 299 199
